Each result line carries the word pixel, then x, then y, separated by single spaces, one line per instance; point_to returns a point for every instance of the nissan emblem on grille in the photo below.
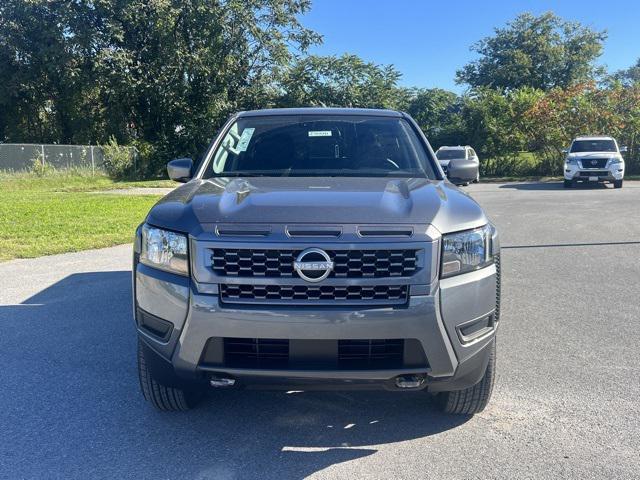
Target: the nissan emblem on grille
pixel 313 265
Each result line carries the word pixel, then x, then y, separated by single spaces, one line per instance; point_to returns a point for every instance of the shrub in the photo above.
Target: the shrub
pixel 146 159
pixel 118 160
pixel 39 167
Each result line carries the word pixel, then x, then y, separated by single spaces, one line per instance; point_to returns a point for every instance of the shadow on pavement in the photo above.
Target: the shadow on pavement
pixel 72 405
pixel 552 186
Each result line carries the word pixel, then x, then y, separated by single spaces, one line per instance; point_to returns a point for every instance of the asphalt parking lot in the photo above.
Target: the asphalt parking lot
pixel 566 404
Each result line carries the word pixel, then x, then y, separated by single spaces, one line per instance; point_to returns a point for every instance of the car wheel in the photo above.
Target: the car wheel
pixel 477 180
pixel 474 399
pixel 617 184
pixel 168 399
pixel 568 183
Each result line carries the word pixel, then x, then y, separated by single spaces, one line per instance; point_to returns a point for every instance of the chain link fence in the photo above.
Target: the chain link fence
pixel 27 156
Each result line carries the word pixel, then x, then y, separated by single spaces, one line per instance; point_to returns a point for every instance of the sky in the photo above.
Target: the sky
pixel 429 40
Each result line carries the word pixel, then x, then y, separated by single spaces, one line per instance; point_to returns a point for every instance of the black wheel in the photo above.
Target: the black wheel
pixel 477 180
pixel 474 399
pixel 568 183
pixel 164 398
pixel 617 184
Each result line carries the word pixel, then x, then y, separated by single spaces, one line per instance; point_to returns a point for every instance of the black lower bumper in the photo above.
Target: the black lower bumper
pixel 467 374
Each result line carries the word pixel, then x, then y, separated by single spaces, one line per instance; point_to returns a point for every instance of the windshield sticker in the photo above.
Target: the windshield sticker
pixel 319 133
pixel 245 138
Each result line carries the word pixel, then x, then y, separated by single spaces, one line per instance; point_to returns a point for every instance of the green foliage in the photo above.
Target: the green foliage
pixel 164 72
pixel 629 76
pixel 162 76
pixel 345 81
pixel 497 127
pixel 118 161
pixel 541 52
pixel 512 164
pixel 439 114
pixel 562 114
pixel 148 162
pixel 39 167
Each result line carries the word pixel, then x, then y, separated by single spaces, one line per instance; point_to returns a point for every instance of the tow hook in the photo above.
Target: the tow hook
pixel 222 382
pixel 409 381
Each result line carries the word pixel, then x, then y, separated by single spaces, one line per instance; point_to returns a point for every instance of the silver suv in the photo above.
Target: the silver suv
pixel 460 164
pixel 317 248
pixel 594 159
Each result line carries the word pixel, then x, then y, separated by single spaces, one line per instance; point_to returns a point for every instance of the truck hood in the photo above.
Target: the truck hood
pixel 588 155
pixel 327 200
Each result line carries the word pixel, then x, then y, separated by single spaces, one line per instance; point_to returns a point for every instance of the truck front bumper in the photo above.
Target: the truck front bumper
pixel 453 323
pixel 610 174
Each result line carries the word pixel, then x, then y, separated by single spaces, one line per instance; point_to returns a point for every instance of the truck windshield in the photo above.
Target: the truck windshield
pixel 593 146
pixel 320 145
pixel 450 154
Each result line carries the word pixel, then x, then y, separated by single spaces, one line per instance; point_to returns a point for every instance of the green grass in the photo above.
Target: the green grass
pixel 72 181
pixel 57 213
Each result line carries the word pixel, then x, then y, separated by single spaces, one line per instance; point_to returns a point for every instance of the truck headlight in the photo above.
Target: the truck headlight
pixel 466 251
pixel 164 250
pixel 571 161
pixel 615 160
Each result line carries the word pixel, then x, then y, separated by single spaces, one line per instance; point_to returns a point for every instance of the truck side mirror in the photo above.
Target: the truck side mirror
pixel 565 150
pixel 179 170
pixel 623 149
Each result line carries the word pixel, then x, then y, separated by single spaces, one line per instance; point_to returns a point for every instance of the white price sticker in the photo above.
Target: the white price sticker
pixel 320 133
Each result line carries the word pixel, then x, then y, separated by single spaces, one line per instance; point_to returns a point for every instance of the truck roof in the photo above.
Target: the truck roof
pixel 594 137
pixel 321 111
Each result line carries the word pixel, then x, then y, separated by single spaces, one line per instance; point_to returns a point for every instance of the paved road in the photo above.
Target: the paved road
pixel 567 401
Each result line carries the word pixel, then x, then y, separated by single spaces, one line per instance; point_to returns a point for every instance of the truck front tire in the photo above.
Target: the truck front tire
pixel 617 184
pixel 474 399
pixel 162 397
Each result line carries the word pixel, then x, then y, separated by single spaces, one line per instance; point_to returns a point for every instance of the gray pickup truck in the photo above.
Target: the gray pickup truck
pixel 317 249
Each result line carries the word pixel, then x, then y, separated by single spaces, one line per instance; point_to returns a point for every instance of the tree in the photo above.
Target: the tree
pixel 46 87
pixel 496 125
pixel 439 114
pixel 585 109
pixel 174 70
pixel 345 81
pixel 629 76
pixel 164 72
pixel 542 52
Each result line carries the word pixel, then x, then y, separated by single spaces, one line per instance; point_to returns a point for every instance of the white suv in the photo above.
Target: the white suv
pixel 594 159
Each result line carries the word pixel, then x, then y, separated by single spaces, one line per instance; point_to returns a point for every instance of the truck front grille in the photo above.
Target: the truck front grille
pixel 295 354
pixel 249 263
pixel 304 294
pixel 355 354
pixel 594 163
pixel 256 352
pixel 594 173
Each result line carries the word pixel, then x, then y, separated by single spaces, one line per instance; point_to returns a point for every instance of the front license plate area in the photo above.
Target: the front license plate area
pixel 593 179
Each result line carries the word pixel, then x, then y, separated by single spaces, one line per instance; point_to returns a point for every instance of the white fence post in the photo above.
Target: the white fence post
pixel 42 148
pixel 93 164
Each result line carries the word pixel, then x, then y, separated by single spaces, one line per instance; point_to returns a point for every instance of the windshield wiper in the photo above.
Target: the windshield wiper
pixel 242 174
